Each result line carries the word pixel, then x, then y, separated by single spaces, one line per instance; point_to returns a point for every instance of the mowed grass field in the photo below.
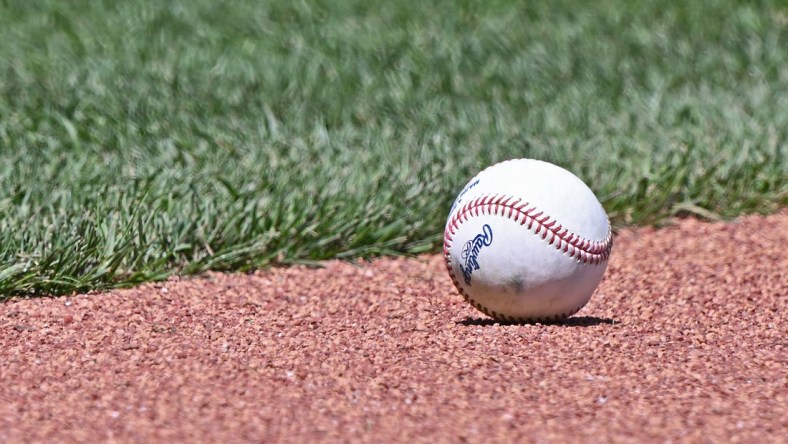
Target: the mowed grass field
pixel 144 138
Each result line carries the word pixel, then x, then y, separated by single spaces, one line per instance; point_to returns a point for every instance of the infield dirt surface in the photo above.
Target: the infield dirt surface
pixel 684 341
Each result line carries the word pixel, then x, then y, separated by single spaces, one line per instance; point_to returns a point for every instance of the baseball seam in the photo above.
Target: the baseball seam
pixel 583 250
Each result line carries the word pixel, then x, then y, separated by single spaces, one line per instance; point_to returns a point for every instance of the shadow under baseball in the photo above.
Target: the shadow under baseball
pixel 574 321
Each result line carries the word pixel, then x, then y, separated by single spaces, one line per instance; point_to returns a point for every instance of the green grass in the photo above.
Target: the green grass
pixel 144 138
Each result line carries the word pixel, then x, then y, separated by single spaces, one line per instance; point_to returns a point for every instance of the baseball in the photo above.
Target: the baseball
pixel 527 240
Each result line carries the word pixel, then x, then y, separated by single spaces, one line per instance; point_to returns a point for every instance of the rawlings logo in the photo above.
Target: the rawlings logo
pixel 470 252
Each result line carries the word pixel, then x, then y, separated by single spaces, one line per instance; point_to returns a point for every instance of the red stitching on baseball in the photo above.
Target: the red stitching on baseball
pixel 591 250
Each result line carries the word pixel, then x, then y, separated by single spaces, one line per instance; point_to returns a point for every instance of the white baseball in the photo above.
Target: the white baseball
pixel 527 240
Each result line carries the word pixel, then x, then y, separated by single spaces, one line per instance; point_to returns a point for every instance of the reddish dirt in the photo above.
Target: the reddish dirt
pixel 685 341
